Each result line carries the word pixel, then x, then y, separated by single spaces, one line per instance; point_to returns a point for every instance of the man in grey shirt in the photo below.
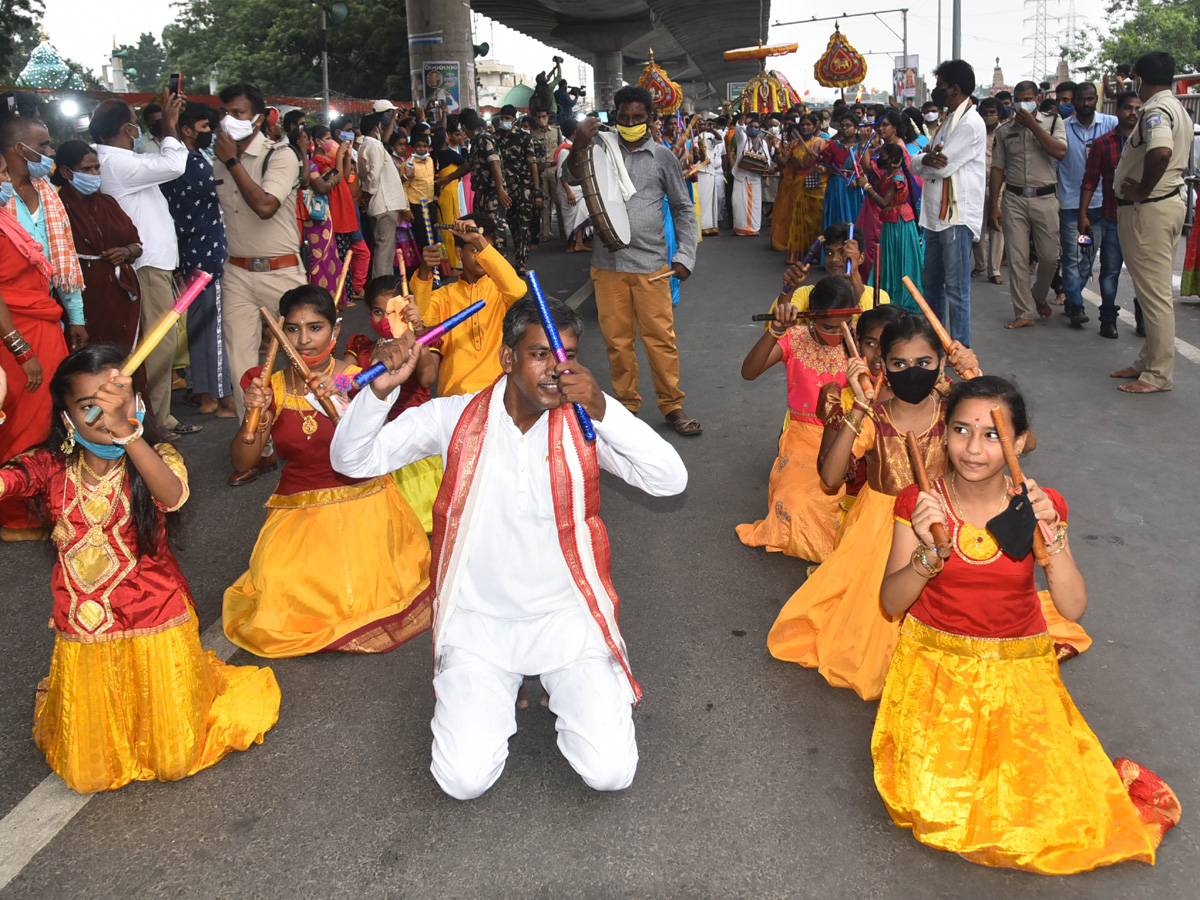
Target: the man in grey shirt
pixel 627 300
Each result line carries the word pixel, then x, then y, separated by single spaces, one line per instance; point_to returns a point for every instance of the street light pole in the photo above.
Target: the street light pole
pixel 325 65
pixel 956 28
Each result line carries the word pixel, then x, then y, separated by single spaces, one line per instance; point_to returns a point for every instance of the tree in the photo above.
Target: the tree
pixel 276 44
pixel 1145 25
pixel 19 34
pixel 149 59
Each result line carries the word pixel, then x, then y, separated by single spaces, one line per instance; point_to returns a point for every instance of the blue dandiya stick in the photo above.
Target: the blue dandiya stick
pixel 556 345
pixel 437 278
pixel 813 251
pixel 850 237
pixel 362 379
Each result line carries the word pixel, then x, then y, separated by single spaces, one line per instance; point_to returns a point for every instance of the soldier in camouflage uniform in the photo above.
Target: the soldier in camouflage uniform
pixel 518 162
pixel 487 177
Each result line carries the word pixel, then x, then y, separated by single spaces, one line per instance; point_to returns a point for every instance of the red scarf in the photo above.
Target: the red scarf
pixel 24 244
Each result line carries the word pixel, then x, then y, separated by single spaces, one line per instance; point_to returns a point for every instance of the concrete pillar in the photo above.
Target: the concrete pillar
pixel 608 77
pixel 440 32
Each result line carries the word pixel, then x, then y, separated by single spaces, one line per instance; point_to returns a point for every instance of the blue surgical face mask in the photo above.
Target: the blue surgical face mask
pixel 1066 109
pixel 505 125
pixel 752 131
pixel 105 451
pixel 41 168
pixel 6 192
pixel 86 183
pixel 346 135
pixel 421 155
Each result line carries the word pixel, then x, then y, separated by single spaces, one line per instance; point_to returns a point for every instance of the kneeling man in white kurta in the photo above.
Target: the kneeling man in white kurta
pixel 520 581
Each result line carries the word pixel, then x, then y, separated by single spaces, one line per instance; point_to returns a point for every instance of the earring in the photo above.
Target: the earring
pixel 68 446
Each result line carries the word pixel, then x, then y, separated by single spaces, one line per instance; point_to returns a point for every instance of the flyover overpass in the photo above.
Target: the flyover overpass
pixel 688 38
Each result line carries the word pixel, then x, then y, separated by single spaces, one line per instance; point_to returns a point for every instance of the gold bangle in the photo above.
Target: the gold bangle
pixel 125 441
pixel 856 429
pixel 774 333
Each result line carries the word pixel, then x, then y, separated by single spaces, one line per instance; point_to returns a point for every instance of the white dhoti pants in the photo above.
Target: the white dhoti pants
pixel 475 713
pixel 747 203
pixel 706 190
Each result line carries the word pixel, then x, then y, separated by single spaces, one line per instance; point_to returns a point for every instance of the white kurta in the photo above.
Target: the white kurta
pixel 709 183
pixel 516 609
pixel 747 186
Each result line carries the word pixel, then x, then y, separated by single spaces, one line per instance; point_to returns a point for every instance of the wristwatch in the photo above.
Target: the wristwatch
pixel 231 162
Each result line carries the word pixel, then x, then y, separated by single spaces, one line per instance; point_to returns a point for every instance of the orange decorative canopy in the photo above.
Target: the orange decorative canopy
pixel 840 66
pixel 666 94
pixel 760 52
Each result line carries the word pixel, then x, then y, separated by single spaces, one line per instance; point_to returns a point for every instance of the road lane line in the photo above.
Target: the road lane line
pixel 46 810
pixel 1183 348
pixel 578 298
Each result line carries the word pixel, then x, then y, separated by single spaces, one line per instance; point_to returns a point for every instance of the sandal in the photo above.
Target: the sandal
pixel 995 279
pixel 181 429
pixel 684 424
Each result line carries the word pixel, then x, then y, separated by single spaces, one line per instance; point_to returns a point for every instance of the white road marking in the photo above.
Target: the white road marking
pixel 46 810
pixel 1183 348
pixel 578 298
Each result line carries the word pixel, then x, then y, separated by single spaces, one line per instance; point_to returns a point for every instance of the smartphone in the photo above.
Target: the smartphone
pixel 175 84
pixel 603 117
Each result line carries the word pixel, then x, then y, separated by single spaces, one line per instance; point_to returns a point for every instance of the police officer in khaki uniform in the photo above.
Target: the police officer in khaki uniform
pixel 1024 159
pixel 1150 212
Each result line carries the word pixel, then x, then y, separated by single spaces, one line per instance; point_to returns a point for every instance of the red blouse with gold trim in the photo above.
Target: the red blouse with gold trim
pixel 103 590
pixel 811 364
pixel 302 436
pixel 981 591
pixel 411 392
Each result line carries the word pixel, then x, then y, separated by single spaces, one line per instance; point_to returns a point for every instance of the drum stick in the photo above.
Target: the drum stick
pixel 849 238
pixel 155 335
pixel 556 344
pixel 362 379
pixel 298 364
pixel 437 278
pixel 254 416
pixel 940 537
pixel 659 277
pixel 938 327
pixel 341 282
pixel 1014 469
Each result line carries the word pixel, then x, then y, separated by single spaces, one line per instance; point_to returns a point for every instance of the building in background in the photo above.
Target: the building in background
pixel 495 79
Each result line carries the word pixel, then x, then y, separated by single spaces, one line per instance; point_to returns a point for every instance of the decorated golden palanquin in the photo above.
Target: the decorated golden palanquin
pixel 766 92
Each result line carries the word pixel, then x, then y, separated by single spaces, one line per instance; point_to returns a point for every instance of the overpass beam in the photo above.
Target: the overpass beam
pixel 442 32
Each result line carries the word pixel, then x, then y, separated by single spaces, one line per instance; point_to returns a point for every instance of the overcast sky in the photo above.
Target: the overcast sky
pixel 84 31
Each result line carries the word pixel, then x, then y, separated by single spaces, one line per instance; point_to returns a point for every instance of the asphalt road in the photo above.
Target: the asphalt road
pixel 755 777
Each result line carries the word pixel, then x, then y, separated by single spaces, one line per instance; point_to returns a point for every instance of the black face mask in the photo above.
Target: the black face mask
pixel 155 128
pixel 203 140
pixel 913 385
pixel 1013 529
pixel 938 96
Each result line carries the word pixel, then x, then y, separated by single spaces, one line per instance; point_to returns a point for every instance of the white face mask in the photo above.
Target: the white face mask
pixel 238 129
pixel 1028 106
pixel 931 117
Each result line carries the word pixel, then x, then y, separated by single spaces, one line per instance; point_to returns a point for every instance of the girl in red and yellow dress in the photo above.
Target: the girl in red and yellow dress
pixel 340 560
pixel 978 747
pixel 833 623
pixel 386 304
pixel 801 514
pixel 131 694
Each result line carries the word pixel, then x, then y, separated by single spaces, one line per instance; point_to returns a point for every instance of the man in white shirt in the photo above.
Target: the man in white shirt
pixel 133 180
pixel 385 194
pixel 954 169
pixel 520 566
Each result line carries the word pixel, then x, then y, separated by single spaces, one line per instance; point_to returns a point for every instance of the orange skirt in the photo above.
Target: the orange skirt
pixel 801 517
pixel 156 706
pixel 979 750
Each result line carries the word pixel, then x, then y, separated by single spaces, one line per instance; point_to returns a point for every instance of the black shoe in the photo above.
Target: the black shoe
pixel 1108 330
pixel 1078 318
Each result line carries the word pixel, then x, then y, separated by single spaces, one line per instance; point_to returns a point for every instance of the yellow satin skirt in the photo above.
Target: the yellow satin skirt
pixel 157 706
pixel 448 205
pixel 979 749
pixel 419 484
pixel 801 517
pixel 834 622
pixel 334 569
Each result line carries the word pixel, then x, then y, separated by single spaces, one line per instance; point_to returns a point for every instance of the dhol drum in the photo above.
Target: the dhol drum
pixel 602 196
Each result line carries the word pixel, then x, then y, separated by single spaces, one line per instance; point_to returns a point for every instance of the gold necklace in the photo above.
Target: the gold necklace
pixel 98 502
pixel 971 544
pixel 308 423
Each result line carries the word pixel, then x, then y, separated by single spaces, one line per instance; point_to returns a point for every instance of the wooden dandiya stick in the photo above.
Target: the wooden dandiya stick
pixel 155 335
pixel 1014 469
pixel 938 327
pixel 298 363
pixel 437 278
pixel 878 257
pixel 254 416
pixel 341 282
pixel 808 313
pixel 852 347
pixel 940 537
pixel 443 226
pixel 403 272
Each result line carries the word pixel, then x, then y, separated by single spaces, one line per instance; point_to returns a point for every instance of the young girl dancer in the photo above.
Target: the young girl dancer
pixel 339 560
pixel 801 516
pixel 978 747
pixel 131 694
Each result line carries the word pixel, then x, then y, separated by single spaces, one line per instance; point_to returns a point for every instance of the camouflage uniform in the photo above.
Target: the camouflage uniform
pixel 517 155
pixel 487 201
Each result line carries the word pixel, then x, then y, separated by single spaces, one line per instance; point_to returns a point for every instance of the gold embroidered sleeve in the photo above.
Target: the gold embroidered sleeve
pixel 175 463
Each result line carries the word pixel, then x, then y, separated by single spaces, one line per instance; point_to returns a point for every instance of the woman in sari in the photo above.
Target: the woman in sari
pixel 31 329
pixel 324 264
pixel 107 243
pixel 450 165
pixel 809 206
pixel 335 167
pixel 843 197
